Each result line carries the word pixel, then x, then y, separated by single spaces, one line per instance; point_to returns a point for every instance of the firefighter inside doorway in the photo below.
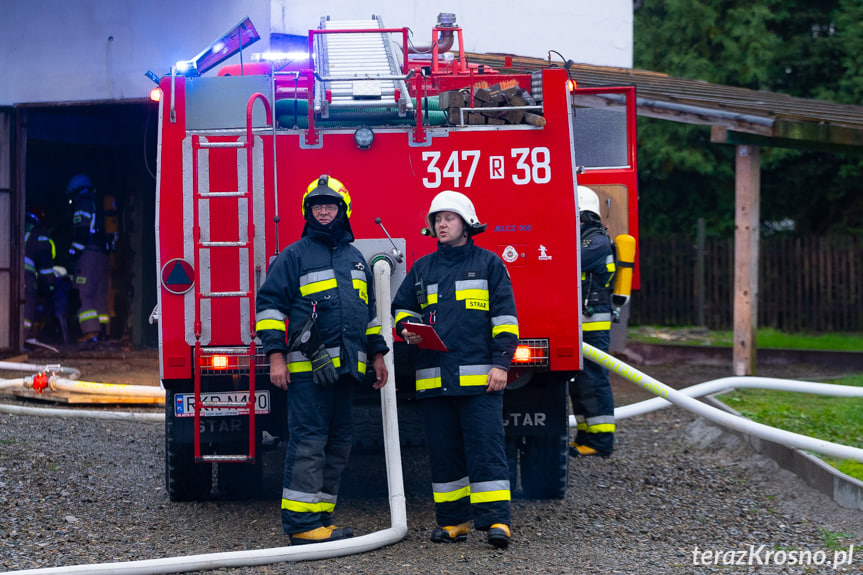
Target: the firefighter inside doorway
pixel 94 236
pixel 465 293
pixel 320 288
pixel 590 391
pixel 39 254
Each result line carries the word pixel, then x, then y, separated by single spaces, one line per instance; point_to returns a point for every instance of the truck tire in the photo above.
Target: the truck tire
pixel 185 480
pixel 544 466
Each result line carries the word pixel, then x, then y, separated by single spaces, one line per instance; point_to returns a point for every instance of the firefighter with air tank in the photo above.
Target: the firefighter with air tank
pixel 590 392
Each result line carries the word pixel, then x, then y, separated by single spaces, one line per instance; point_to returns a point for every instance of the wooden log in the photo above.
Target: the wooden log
pixel 482 95
pixel 534 119
pixel 452 99
pixel 475 118
pixel 513 116
pixel 453 116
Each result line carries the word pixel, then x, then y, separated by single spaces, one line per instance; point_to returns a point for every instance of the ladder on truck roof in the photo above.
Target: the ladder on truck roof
pixel 359 69
pixel 210 256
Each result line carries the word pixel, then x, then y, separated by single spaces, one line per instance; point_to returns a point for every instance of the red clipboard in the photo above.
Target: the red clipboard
pixel 431 340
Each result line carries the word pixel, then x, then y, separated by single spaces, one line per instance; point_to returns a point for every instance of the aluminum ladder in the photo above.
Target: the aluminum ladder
pixel 360 70
pixel 208 255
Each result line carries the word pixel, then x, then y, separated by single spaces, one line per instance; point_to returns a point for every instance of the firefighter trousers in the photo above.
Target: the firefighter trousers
pixel 319 423
pixel 593 401
pixel 469 470
pixel 91 278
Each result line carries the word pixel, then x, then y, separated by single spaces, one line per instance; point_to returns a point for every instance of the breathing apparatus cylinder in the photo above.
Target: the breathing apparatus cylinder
pixel 625 246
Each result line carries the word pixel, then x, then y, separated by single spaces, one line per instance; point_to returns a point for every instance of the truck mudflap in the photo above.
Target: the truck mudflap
pixel 536 421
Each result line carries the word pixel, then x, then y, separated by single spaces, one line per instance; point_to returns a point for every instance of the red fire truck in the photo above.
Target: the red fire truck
pixel 236 152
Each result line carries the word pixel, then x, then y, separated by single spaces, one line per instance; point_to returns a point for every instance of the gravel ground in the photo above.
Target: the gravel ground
pixel 77 491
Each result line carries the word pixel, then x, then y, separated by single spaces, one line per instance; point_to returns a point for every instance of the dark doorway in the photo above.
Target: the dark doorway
pixel 115 146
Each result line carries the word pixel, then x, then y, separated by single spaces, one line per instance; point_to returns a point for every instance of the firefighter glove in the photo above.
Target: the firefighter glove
pixel 307 340
pixel 323 369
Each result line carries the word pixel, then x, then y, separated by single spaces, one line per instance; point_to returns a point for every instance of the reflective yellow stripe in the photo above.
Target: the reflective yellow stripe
pixel 600 428
pixel 362 287
pixel 402 315
pixel 499 329
pixel 490 496
pixel 263 324
pixel 465 380
pixel 374 330
pixel 361 365
pixel 481 294
pixel 596 326
pixel 453 495
pixel 429 383
pixel 304 366
pixel 302 507
pixel 431 299
pixel 316 287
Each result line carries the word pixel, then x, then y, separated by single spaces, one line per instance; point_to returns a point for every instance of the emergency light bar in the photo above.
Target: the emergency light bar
pixel 241 35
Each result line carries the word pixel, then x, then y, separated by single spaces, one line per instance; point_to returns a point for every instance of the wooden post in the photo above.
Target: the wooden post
pixel 700 282
pixel 746 243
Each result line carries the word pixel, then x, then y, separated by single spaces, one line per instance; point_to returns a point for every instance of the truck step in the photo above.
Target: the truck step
pixel 238 458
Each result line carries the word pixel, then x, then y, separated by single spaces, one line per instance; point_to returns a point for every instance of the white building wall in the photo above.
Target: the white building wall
pixel 98 50
pixel 586 31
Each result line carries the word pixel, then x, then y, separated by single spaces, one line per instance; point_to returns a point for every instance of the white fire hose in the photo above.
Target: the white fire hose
pixel 669 394
pixel 395 481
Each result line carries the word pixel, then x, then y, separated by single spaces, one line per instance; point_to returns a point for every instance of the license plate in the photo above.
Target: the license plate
pixel 184 403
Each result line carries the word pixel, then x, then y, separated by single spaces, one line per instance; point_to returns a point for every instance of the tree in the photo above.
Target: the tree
pixel 805 48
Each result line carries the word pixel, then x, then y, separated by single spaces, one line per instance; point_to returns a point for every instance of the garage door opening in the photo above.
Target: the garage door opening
pixel 114 145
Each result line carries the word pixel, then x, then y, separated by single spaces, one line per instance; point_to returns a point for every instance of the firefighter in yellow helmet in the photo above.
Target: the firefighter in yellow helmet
pixel 320 290
pixel 39 254
pixel 465 293
pixel 590 392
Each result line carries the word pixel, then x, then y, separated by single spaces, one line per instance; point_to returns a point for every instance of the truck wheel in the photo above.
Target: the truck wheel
pixel 185 480
pixel 544 466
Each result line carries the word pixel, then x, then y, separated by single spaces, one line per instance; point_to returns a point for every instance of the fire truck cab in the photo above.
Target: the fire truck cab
pixel 236 152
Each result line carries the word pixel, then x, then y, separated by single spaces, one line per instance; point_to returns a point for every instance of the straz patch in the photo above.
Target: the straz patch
pixel 585 243
pixel 360 266
pixel 479 304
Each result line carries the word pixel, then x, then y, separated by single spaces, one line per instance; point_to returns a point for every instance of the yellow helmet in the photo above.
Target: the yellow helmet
pixel 331 189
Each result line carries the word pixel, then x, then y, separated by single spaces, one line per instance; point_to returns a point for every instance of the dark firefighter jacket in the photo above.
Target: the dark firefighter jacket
pixel 39 255
pixel 335 282
pixel 87 231
pixel 465 293
pixel 597 275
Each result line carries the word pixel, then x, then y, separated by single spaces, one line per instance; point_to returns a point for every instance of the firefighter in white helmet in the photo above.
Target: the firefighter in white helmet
pixel 320 288
pixel 590 392
pixel 464 292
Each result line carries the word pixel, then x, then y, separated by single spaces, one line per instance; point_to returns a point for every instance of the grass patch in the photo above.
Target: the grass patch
pixel 834 540
pixel 766 338
pixel 835 419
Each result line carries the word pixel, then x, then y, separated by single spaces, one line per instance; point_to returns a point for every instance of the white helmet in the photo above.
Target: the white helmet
pixel 456 202
pixel 588 201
